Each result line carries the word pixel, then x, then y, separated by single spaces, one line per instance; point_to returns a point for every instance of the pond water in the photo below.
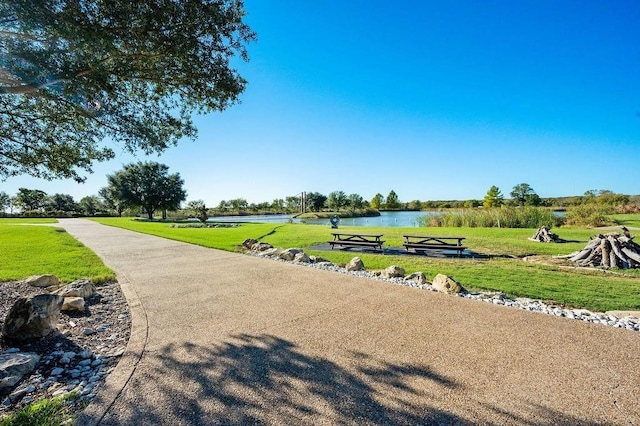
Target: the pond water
pixel 407 219
pixel 387 219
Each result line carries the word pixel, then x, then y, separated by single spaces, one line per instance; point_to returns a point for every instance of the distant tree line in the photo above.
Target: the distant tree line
pixel 148 188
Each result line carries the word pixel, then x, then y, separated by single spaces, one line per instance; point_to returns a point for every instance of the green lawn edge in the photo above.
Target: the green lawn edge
pixel 29 249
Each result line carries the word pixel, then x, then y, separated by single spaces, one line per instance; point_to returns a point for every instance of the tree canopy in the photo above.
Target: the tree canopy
pixel 74 74
pixel 148 185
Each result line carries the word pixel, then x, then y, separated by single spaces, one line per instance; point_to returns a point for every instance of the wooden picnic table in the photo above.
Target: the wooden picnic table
pixel 425 242
pixel 356 240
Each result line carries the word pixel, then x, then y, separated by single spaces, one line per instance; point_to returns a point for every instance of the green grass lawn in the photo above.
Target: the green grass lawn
pixel 631 220
pixel 33 250
pixel 594 290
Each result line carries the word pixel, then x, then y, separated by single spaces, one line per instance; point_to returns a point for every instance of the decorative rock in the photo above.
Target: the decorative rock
pixel 42 281
pixel 261 247
pixel 302 258
pixel 88 331
pixel 272 252
pixel 289 254
pixel 14 366
pixel 355 264
pixel 393 271
pixel 447 285
pixel 248 243
pixel 78 288
pixel 418 277
pixel 32 317
pixel 73 304
pixel 317 259
pixel 17 394
pixel 57 371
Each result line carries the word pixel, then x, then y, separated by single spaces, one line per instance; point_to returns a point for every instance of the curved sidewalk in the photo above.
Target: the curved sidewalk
pixel 223 338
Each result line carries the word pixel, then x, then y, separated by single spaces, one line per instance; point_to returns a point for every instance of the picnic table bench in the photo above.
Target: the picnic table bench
pixel 356 240
pixel 422 242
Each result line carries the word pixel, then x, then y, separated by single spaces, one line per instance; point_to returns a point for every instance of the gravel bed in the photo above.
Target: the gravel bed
pixel 78 357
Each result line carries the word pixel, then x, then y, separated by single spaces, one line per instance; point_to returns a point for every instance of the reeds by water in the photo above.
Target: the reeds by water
pixel 503 217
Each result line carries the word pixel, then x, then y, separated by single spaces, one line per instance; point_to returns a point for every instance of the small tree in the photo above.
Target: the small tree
pixel 415 205
pixel 61 202
pixel 336 200
pixel 523 194
pixel 90 205
pixel 293 203
pixel 4 201
pixel 112 200
pixel 315 201
pixel 199 209
pixel 355 201
pixel 493 198
pixel 392 200
pixel 238 204
pixel 30 199
pixel 278 204
pixel 377 201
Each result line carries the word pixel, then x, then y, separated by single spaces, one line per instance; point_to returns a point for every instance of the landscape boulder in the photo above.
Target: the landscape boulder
pixel 445 284
pixel 272 252
pixel 73 304
pixel 78 288
pixel 302 258
pixel 261 247
pixel 248 243
pixel 355 264
pixel 393 271
pixel 33 317
pixel 13 367
pixel 42 281
pixel 418 277
pixel 317 259
pixel 289 254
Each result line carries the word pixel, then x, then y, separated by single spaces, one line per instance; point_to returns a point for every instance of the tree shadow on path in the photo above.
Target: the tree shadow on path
pixel 266 380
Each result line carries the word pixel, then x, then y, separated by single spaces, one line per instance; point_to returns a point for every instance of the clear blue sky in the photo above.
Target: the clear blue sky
pixel 433 99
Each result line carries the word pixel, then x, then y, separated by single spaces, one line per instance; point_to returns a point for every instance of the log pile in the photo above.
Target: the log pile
pixel 610 251
pixel 544 235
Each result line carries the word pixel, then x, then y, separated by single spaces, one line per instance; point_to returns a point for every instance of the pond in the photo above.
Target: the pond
pixel 386 219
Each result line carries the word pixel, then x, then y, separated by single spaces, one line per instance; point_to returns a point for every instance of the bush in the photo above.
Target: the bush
pixel 589 215
pixel 503 217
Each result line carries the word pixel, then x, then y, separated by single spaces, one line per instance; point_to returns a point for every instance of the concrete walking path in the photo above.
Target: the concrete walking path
pixel 224 338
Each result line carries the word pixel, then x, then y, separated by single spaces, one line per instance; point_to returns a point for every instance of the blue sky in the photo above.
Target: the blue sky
pixel 434 100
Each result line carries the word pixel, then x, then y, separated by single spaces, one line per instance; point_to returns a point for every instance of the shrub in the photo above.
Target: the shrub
pixel 589 215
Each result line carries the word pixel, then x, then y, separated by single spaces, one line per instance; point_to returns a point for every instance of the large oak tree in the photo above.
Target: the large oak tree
pixel 74 74
pixel 148 185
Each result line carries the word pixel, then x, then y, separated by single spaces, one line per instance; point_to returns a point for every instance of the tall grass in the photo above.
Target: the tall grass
pixel 503 217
